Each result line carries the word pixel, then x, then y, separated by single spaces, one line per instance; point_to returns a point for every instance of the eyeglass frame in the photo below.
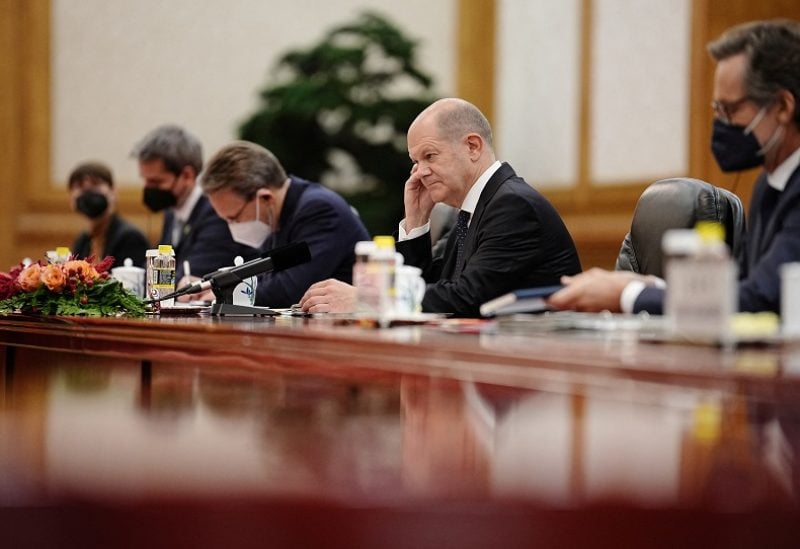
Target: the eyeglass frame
pixel 725 110
pixel 248 200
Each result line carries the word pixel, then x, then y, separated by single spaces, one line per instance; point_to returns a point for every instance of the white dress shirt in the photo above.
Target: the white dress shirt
pixel 469 204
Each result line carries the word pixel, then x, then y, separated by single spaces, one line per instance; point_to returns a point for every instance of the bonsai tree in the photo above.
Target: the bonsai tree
pixel 339 111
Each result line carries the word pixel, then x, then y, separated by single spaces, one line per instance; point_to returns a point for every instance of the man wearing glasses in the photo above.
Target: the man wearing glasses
pixel 757 122
pixel 265 208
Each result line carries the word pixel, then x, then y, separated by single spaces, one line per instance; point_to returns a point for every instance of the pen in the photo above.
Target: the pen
pixel 187 271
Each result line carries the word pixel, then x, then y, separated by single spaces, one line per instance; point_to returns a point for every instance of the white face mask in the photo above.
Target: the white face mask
pixel 250 233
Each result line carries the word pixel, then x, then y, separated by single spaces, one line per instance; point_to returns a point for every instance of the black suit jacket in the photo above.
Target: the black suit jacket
pixel 205 241
pixel 323 219
pixel 123 240
pixel 516 239
pixel 770 242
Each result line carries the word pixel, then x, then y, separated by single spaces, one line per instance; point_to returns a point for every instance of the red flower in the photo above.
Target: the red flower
pixel 14 272
pixel 8 286
pixel 105 265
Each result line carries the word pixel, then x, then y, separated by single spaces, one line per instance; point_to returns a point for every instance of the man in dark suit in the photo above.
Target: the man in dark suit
pixel 91 192
pixel 756 93
pixel 170 162
pixel 508 236
pixel 264 208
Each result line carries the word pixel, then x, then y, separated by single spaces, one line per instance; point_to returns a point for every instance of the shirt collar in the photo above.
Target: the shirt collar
pixel 780 177
pixel 183 212
pixel 471 200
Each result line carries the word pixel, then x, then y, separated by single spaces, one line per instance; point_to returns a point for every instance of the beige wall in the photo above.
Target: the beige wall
pixel 120 68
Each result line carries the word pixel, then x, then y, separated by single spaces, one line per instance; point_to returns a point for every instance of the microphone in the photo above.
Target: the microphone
pixel 277 259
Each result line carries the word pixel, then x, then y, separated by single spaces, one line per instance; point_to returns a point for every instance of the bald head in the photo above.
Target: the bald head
pixel 454 118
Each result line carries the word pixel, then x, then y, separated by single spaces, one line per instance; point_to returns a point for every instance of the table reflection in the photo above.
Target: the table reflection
pixel 75 426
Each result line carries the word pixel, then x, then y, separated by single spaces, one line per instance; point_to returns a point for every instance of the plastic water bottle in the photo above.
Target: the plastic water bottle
pixel 60 255
pixel 701 283
pixel 382 263
pixel 160 273
pixel 373 277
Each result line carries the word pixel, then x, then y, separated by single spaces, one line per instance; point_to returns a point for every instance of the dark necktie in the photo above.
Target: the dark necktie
pixel 461 234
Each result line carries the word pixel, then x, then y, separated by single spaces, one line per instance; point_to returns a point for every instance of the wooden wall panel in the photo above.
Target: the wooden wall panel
pixel 476 54
pixel 10 123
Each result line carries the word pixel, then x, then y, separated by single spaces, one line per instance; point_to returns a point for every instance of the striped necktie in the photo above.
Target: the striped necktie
pixel 461 234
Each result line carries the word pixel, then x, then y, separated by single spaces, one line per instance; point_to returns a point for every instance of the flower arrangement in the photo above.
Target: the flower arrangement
pixel 73 287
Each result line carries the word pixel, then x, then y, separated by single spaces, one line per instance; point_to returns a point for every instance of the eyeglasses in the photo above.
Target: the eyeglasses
pixel 725 110
pixel 235 218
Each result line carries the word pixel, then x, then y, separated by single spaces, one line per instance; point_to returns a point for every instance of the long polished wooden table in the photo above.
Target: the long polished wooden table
pixel 322 432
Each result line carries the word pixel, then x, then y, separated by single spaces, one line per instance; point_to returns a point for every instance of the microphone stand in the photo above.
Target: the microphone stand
pixel 224 305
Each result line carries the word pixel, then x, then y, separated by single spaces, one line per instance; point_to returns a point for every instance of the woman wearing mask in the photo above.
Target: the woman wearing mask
pixel 91 193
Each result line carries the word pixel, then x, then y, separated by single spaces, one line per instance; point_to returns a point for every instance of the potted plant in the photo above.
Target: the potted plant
pixel 338 112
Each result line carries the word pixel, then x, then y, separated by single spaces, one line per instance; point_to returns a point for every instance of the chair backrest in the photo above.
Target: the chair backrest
pixel 678 203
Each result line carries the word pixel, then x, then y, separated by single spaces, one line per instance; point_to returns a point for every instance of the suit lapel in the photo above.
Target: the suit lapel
pixel 786 199
pixel 503 173
pixel 166 233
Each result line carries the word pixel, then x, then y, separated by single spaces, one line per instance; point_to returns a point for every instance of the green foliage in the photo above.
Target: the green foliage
pixel 103 298
pixel 354 93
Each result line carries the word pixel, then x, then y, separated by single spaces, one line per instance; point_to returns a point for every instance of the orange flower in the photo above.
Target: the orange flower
pixel 53 277
pixel 30 277
pixel 81 269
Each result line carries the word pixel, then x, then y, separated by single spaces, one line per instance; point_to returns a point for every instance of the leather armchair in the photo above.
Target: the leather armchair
pixel 677 203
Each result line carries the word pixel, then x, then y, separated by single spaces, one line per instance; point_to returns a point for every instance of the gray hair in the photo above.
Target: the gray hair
pixel 174 146
pixel 772 49
pixel 458 118
pixel 243 167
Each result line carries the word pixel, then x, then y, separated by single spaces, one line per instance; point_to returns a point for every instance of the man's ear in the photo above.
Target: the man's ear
pixel 788 104
pixel 265 195
pixel 188 172
pixel 475 145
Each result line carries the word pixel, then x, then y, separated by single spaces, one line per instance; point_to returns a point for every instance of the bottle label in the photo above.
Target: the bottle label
pixel 701 297
pixel 160 277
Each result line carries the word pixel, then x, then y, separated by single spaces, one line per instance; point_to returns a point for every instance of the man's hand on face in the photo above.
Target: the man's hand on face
pixel 417 200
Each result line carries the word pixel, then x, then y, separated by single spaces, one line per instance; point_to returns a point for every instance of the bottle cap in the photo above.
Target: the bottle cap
pixel 710 231
pixel 164 249
pixel 62 251
pixel 384 241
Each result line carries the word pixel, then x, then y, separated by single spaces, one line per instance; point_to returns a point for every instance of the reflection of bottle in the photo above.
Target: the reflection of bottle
pixel 701 282
pixel 160 275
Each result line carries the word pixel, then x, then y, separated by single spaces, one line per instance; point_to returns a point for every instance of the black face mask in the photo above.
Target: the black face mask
pixel 91 204
pixel 158 199
pixel 735 148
